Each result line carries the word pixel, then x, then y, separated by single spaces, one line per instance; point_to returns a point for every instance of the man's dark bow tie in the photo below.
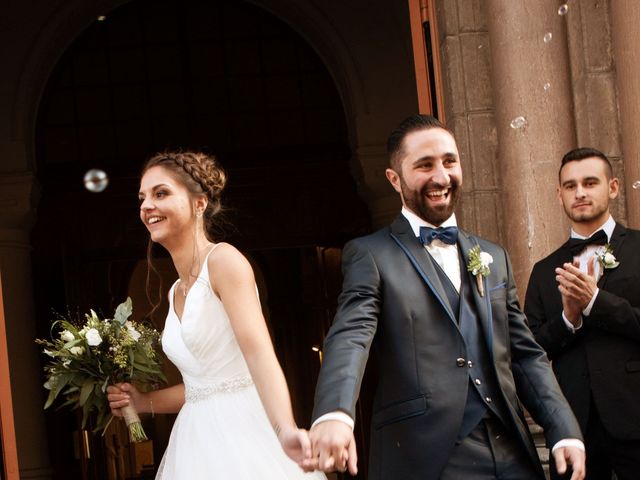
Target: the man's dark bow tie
pixel 447 235
pixel 577 245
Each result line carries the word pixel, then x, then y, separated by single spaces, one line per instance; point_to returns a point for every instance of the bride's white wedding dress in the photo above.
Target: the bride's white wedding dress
pixel 222 431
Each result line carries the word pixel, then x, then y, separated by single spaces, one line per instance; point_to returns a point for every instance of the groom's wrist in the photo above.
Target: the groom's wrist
pixel 338 416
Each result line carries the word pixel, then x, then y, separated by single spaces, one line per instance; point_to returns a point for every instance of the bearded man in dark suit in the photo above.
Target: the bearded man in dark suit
pixel 457 361
pixel 583 304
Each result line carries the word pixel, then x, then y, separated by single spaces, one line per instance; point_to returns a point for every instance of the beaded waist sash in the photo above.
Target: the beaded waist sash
pixel 194 393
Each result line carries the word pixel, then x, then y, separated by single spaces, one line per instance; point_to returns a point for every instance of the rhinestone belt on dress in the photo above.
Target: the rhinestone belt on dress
pixel 230 385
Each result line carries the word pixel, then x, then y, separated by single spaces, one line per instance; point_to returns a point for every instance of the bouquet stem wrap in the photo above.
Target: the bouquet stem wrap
pixel 132 420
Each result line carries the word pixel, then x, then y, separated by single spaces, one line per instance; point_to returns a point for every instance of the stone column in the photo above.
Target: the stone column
pixel 535 126
pixel 17 215
pixel 625 17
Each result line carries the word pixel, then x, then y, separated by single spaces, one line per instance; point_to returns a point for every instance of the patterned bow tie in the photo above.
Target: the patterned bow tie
pixel 448 235
pixel 577 245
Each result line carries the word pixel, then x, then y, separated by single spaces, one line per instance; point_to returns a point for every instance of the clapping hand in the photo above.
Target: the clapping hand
pixel 577 289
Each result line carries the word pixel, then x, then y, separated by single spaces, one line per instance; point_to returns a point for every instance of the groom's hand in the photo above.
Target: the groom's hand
pixel 573 456
pixel 334 446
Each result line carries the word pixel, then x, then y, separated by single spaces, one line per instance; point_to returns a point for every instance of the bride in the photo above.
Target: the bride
pixel 235 418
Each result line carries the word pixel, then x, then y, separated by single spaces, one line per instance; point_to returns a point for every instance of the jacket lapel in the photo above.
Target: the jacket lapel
pixel 483 303
pixel 617 238
pixel 402 234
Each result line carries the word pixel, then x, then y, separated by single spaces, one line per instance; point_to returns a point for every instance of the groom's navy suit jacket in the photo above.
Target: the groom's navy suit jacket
pixel 602 359
pixel 393 299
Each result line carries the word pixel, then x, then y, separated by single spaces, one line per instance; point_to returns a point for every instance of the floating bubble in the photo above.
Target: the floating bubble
pixel 518 122
pixel 101 18
pixel 96 180
pixel 636 185
pixel 546 87
pixel 547 37
pixel 563 9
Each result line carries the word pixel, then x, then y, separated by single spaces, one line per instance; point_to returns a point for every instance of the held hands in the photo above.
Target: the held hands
pixel 296 444
pixel 334 448
pixel 577 289
pixel 573 456
pixel 123 394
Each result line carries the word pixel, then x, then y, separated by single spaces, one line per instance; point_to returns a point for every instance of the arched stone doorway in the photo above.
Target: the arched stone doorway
pixel 224 76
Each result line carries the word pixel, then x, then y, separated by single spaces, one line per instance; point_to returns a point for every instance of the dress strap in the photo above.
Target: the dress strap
pixel 204 269
pixel 206 257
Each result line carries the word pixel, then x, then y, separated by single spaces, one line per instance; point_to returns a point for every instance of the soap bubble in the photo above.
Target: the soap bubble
pixel 546 87
pixel 518 122
pixel 547 37
pixel 96 180
pixel 636 185
pixel 563 9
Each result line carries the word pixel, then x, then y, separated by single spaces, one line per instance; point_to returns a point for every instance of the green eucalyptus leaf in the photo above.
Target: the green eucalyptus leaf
pixel 86 390
pixel 123 311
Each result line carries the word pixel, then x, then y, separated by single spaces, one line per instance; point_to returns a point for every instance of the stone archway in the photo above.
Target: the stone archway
pixel 155 75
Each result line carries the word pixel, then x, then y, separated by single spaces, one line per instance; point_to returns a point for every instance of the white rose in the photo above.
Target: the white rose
pixel 609 258
pixel 93 337
pixel 67 336
pixel 76 350
pixel 135 334
pixel 485 258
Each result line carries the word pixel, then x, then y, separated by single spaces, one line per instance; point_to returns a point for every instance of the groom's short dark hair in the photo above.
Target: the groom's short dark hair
pixel 578 154
pixel 409 125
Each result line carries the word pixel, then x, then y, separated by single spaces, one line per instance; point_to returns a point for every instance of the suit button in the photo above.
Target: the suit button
pixel 488 399
pixel 469 364
pixel 478 382
pixel 460 362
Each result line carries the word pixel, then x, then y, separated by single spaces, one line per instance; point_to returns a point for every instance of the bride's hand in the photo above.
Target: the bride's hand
pixel 120 395
pixel 296 444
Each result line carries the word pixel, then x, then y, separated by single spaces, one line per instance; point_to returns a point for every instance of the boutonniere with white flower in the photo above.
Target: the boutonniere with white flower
pixel 606 258
pixel 478 265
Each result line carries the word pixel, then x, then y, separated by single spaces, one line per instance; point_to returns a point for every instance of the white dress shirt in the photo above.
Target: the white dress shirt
pixel 447 256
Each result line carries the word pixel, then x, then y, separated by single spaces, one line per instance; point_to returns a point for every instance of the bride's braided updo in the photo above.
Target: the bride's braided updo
pixel 201 175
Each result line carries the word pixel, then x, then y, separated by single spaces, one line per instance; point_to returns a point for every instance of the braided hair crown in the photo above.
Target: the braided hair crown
pixel 200 173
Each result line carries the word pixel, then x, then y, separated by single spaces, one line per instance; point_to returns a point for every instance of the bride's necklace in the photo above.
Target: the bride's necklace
pixel 185 285
pixel 185 288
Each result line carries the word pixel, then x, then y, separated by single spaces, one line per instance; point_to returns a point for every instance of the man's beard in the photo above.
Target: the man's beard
pixel 586 217
pixel 417 202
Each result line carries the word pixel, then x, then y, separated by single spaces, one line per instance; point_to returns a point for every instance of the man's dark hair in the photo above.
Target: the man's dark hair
pixel 409 125
pixel 578 154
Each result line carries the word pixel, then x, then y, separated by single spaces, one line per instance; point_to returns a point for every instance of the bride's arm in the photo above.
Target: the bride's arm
pixel 166 400
pixel 233 281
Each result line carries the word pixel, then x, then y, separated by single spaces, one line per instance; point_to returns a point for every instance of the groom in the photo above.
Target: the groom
pixel 456 358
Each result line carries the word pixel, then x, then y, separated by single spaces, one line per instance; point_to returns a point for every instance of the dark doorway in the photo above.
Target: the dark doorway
pixel 226 77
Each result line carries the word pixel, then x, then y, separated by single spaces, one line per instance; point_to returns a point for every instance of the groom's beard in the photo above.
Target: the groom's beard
pixel 418 202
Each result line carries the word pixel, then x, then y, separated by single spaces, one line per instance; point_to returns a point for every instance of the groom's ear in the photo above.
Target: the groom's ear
pixel 394 179
pixel 559 195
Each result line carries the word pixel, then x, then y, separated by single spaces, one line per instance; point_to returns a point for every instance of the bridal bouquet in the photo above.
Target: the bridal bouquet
pixel 88 356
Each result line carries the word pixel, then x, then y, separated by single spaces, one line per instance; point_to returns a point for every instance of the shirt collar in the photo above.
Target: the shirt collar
pixel 607 226
pixel 416 222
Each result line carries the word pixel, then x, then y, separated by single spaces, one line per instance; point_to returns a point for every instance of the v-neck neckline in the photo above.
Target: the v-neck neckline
pixel 186 297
